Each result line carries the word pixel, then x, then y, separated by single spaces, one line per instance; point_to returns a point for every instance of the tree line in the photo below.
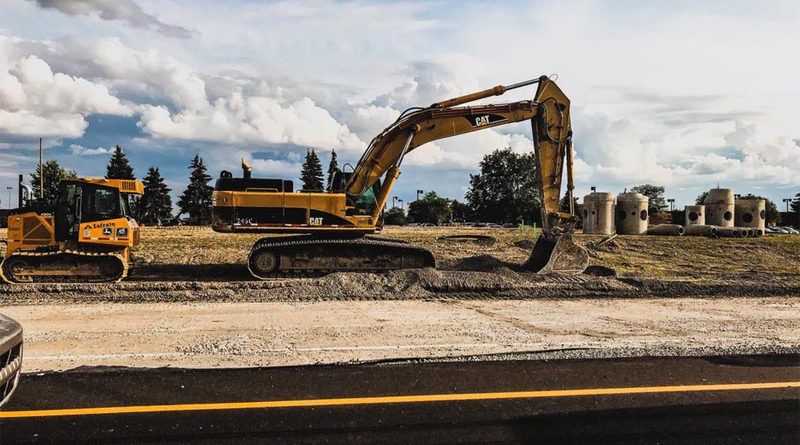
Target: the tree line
pixel 155 205
pixel 504 191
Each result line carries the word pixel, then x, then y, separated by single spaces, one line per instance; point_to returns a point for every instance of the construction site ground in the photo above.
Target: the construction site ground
pixel 190 302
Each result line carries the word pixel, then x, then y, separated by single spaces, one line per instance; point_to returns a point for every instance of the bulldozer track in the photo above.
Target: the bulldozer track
pixel 398 254
pixel 4 274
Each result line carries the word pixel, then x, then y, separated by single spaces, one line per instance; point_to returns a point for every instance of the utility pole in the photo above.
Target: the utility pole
pixel 41 172
pixel 9 195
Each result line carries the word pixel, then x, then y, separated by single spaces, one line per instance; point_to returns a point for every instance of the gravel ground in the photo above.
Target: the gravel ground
pixel 190 302
pixel 283 333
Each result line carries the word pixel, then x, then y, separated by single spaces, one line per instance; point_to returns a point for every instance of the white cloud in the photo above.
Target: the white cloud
pixel 254 119
pixel 80 150
pixel 34 101
pixel 124 10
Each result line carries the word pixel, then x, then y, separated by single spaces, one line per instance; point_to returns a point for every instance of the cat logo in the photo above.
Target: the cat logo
pixel 482 120
pixel 315 221
pixel 485 119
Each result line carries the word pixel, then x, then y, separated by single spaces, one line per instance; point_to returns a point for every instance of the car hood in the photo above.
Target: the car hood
pixel 10 333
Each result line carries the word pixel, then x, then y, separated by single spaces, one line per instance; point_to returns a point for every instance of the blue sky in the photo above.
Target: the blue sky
pixel 682 94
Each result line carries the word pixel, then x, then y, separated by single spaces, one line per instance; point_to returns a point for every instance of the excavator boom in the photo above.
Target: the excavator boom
pixel 549 114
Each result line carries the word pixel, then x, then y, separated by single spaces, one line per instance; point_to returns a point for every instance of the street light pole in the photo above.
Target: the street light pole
pixel 394 201
pixel 419 192
pixel 787 201
pixel 671 202
pixel 9 195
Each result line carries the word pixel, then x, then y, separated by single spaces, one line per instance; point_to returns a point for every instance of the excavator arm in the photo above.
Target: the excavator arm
pixel 549 114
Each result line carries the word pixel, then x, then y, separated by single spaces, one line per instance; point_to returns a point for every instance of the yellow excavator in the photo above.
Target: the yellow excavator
pixel 85 237
pixel 330 231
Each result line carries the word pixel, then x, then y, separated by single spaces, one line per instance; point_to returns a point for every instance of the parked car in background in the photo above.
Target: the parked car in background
pixel 10 357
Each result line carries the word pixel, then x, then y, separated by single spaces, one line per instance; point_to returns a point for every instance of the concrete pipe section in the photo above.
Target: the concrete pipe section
pixel 631 215
pixel 666 230
pixel 719 206
pixel 750 213
pixel 598 213
pixel 700 230
pixel 695 216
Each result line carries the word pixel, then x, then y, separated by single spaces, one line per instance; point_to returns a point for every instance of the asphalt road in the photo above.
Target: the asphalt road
pixel 646 400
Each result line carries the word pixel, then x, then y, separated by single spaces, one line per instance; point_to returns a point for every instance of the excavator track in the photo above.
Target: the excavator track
pixel 314 256
pixel 63 266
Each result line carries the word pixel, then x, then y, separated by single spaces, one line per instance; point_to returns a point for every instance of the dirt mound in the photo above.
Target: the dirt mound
pixel 484 240
pixel 480 263
pixel 525 244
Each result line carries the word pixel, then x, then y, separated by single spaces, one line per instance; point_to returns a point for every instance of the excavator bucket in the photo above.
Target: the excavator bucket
pixel 557 255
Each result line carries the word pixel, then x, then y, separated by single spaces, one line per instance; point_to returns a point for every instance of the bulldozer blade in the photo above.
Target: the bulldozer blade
pixel 561 255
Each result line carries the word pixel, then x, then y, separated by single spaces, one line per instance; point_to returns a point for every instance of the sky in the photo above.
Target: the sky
pixel 684 94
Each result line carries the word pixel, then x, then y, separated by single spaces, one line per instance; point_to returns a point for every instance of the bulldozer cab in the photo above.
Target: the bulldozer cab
pixel 81 202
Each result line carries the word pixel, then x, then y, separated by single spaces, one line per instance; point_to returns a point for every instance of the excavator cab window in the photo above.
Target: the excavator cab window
pixel 365 205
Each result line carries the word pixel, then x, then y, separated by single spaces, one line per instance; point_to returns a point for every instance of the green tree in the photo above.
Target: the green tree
pixel 430 209
pixel 156 204
pixel 395 216
pixel 53 174
pixel 196 199
pixel 563 205
pixel 506 189
pixel 795 205
pixel 118 166
pixel 311 174
pixel 655 195
pixel 333 168
pixel 461 211
pixel 701 198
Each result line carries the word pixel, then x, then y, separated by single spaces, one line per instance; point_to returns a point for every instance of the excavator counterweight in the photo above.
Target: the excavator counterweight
pixel 328 229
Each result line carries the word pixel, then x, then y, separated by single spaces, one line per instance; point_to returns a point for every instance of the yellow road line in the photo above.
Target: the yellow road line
pixel 428 398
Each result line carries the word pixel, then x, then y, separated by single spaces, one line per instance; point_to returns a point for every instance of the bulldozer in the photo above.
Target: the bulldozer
pixel 85 237
pixel 327 231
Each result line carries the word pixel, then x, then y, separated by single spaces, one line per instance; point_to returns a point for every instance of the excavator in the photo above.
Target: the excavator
pixel 85 237
pixel 333 231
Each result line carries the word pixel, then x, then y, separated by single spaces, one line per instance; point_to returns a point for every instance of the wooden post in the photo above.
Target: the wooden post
pixel 41 172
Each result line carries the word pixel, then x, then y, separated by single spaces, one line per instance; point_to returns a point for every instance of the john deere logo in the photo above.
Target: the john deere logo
pixel 107 231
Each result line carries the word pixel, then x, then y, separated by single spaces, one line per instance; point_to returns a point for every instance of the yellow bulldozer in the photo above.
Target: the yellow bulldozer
pixel 85 237
pixel 332 231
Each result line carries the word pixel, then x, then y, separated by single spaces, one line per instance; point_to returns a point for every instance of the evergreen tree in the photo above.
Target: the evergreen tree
pixel 311 174
pixel 156 204
pixel 795 205
pixel 118 166
pixel 53 174
pixel 196 199
pixel 333 168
